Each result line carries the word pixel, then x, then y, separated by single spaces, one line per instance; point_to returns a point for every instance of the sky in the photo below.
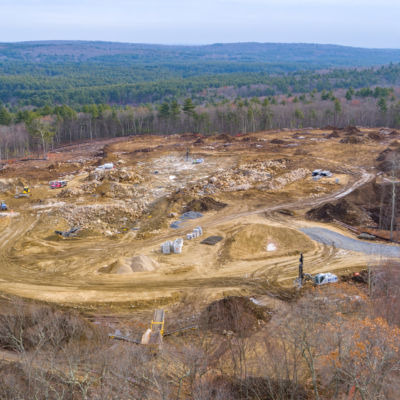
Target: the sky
pixel 364 23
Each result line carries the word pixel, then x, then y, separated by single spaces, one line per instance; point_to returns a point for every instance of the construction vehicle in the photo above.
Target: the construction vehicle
pixel 57 184
pixel 3 206
pixel 318 279
pixel 25 193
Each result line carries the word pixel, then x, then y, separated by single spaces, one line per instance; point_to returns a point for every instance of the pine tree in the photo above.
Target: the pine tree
pixel 5 116
pixel 188 107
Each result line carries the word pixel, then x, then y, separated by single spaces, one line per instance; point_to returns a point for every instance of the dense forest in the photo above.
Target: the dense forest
pixel 53 93
pixel 78 73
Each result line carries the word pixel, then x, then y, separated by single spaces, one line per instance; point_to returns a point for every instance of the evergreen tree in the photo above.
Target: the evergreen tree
pixel 5 116
pixel 188 107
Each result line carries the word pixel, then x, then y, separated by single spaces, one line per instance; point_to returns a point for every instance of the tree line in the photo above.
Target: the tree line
pixel 27 131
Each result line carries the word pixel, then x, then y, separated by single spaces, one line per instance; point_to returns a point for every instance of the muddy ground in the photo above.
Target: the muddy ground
pixel 124 215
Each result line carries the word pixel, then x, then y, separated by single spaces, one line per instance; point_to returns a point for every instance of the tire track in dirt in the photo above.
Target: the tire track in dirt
pixel 70 282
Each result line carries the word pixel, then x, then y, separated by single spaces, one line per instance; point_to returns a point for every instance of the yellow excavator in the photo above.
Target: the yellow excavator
pixel 25 193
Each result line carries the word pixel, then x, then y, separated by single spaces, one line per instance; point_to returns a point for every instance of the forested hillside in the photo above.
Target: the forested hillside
pixel 52 93
pixel 78 73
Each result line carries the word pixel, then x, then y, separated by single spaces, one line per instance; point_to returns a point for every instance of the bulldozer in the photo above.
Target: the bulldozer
pixel 27 190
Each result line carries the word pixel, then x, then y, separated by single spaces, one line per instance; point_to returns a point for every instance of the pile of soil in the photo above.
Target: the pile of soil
pixel 236 314
pixel 250 242
pixel 352 130
pixel 128 266
pixel 188 136
pixel 389 157
pixel 224 137
pixel 329 211
pixel 351 140
pixel 332 135
pixel 375 136
pixel 359 277
pixel 277 141
pixel 204 204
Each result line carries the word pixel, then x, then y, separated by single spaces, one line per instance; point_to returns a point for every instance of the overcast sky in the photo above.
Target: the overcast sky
pixel 365 23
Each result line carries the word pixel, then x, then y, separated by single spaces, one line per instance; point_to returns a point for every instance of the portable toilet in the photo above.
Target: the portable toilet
pixel 166 248
pixel 177 246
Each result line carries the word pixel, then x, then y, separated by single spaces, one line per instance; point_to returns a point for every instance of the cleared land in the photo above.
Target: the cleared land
pixel 125 215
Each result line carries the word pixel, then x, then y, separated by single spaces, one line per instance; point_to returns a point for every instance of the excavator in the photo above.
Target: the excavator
pixel 25 193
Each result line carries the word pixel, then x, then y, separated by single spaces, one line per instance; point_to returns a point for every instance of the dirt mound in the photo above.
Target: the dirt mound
pixel 351 140
pixel 224 137
pixel 352 130
pixel 329 211
pixel 389 157
pixel 128 266
pixel 277 141
pixel 332 135
pixel 204 204
pixel 359 277
pixel 188 136
pixel 375 136
pixel 236 314
pixel 143 263
pixel 251 242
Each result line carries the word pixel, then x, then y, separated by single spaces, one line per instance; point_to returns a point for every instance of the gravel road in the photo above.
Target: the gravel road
pixel 335 239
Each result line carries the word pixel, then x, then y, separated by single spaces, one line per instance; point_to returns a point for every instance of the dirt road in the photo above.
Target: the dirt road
pixel 36 264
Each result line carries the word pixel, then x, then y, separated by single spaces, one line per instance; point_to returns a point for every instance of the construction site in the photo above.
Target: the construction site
pixel 125 228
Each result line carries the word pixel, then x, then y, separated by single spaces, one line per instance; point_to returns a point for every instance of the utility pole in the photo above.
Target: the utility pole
pixel 187 154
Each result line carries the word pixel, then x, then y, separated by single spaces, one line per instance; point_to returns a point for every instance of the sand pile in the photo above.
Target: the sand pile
pixel 236 314
pixel 138 263
pixel 250 242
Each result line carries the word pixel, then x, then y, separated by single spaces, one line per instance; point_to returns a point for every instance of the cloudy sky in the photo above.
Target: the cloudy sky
pixel 365 23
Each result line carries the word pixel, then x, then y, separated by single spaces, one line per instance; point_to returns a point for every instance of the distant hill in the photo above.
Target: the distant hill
pixel 78 73
pixel 311 55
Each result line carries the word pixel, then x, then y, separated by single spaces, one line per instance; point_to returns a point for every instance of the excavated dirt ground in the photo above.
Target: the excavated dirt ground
pixel 125 215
